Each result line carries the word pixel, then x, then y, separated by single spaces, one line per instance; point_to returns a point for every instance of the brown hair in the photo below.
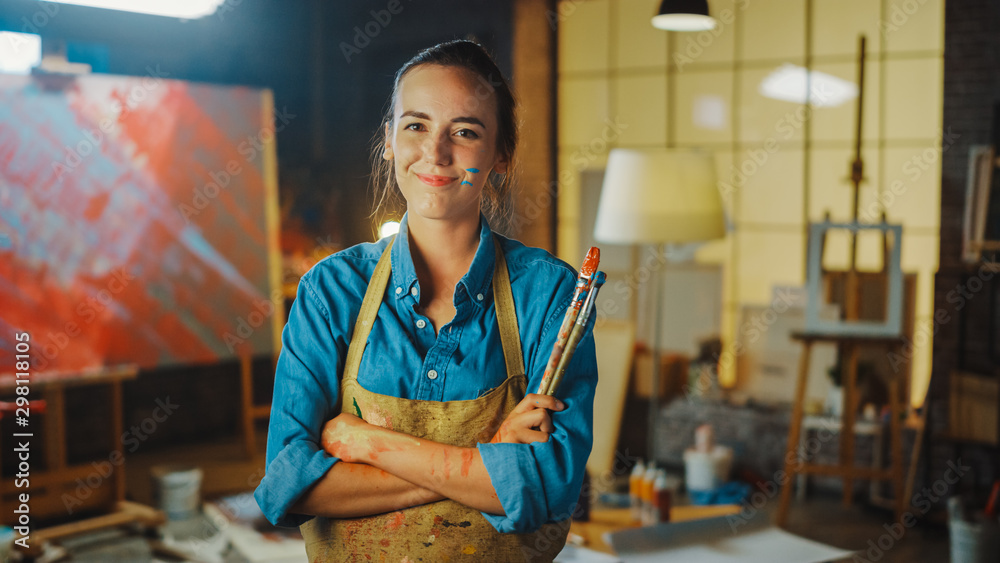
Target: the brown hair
pixel 469 55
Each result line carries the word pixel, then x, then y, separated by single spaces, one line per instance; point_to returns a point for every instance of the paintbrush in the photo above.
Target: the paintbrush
pixel 583 282
pixel 579 328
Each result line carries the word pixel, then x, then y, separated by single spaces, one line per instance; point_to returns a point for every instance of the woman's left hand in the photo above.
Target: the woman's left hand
pixel 347 437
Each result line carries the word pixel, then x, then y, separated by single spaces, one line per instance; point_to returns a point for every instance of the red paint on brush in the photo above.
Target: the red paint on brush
pixel 591 262
pixel 467 457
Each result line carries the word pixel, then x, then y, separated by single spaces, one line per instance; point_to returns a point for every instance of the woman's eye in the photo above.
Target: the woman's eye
pixel 467 133
pixel 414 127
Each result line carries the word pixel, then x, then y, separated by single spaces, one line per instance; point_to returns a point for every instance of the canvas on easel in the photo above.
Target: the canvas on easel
pixel 140 221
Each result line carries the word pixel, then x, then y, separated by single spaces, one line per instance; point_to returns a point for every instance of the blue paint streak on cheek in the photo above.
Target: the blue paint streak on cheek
pixel 473 170
pixel 464 182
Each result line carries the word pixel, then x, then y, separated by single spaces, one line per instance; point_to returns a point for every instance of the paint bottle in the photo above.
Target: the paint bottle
pixel 661 496
pixel 648 479
pixel 635 490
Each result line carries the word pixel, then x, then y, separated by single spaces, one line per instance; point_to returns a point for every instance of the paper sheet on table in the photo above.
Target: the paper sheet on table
pixel 714 540
pixel 574 554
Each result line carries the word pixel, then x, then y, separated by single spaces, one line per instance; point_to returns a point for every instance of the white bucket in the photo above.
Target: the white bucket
pixel 974 542
pixel 177 490
pixel 707 471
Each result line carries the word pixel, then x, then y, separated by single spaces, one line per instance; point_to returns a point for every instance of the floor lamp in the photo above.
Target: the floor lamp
pixel 658 197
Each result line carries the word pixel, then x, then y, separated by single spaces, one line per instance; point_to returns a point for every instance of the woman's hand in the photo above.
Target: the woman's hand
pixel 529 422
pixel 347 437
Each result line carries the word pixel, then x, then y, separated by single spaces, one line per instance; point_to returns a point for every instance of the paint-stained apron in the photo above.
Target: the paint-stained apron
pixel 446 530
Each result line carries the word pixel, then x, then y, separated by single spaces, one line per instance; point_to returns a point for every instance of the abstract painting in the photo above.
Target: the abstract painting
pixel 138 221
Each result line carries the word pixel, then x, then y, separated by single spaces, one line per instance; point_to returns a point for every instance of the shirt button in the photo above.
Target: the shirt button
pixel 479 296
pixel 421 323
pixel 413 291
pixel 433 374
pixel 399 290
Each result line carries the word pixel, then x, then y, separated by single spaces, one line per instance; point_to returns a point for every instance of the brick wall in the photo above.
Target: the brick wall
pixel 971 89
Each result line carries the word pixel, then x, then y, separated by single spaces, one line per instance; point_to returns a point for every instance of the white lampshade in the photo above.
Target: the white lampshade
pixel 659 196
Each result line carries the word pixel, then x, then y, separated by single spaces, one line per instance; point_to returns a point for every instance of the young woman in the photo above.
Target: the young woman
pixel 423 347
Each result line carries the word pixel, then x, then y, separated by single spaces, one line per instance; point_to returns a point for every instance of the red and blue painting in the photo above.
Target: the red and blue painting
pixel 138 222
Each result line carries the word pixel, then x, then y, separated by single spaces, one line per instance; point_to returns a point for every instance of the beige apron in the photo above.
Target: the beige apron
pixel 445 530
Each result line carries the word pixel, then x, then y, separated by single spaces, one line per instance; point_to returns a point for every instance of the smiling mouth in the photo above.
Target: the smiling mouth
pixel 432 180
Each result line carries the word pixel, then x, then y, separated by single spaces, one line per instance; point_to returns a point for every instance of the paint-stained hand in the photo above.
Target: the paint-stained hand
pixel 346 437
pixel 530 421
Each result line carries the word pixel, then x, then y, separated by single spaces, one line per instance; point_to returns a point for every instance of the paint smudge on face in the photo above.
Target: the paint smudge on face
pixel 473 170
pixel 467 457
pixel 468 550
pixel 464 183
pixel 397 520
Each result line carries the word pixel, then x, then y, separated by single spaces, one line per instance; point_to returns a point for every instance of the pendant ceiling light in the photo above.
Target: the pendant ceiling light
pixel 184 9
pixel 683 15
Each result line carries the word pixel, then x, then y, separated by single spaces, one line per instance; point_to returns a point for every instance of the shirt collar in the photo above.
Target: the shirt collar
pixel 476 281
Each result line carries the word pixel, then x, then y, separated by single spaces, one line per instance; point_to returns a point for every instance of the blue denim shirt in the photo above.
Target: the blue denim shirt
pixel 535 483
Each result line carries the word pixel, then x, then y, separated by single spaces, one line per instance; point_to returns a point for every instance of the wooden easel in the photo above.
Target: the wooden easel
pixel 58 476
pixel 848 346
pixel 249 411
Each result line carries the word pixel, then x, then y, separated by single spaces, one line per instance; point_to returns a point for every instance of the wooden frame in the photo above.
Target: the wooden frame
pixel 893 323
pixel 982 161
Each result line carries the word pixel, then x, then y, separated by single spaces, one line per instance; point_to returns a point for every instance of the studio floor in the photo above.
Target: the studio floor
pixel 821 517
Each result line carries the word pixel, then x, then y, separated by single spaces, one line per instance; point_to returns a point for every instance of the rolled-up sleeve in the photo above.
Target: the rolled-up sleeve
pixel 540 482
pixel 305 391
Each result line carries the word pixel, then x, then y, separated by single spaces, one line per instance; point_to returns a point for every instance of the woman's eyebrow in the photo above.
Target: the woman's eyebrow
pixel 472 120
pixel 422 115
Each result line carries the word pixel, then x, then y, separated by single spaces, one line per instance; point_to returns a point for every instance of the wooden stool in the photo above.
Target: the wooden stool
pixel 845 468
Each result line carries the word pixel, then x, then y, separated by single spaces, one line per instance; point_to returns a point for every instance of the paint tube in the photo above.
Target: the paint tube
pixel 635 490
pixel 661 497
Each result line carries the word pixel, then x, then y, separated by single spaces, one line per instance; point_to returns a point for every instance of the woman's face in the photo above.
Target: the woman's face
pixel 443 141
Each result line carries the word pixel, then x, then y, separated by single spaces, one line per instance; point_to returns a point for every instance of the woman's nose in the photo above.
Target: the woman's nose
pixel 437 150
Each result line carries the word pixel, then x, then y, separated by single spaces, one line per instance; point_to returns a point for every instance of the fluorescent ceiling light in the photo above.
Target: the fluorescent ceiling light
pixel 184 9
pixel 19 52
pixel 793 83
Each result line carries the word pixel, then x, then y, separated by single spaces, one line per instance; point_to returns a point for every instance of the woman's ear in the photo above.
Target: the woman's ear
pixel 387 153
pixel 501 166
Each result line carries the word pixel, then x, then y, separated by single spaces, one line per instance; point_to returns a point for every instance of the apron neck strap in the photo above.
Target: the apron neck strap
pixel 503 300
